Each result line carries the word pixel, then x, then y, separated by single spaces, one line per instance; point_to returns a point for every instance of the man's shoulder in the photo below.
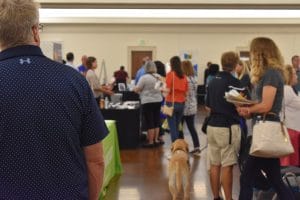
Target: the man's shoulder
pixel 33 60
pixel 124 73
pixel 146 77
pixel 142 69
pixel 60 69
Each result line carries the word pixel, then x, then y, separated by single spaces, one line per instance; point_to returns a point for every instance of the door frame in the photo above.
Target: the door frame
pixel 130 49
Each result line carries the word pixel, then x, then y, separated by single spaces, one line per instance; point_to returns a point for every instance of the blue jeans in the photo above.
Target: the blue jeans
pixel 190 122
pixel 175 119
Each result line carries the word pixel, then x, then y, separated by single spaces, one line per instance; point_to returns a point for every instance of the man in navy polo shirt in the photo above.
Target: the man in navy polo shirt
pixel 50 126
pixel 223 130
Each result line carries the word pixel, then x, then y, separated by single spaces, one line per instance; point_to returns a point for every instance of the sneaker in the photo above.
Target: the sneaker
pixel 196 152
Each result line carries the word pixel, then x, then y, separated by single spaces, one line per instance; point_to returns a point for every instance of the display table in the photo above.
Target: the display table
pixel 111 152
pixel 130 96
pixel 128 125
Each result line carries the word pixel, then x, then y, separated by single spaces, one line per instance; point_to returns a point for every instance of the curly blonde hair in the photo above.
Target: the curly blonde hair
pixel 264 54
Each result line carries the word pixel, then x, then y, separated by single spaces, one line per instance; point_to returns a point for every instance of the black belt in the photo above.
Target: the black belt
pixel 267 117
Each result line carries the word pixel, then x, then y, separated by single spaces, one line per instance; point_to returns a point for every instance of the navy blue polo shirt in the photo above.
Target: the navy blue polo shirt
pixel 47 115
pixel 223 113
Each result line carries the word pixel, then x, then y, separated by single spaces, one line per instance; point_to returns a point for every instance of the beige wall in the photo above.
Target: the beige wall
pixel 110 42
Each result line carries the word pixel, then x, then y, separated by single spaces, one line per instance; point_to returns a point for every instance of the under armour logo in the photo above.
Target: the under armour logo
pixel 22 61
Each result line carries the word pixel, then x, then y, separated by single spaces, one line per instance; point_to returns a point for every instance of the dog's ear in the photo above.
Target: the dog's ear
pixel 172 147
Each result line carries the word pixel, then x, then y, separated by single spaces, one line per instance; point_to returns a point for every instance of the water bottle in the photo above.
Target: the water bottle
pixel 106 102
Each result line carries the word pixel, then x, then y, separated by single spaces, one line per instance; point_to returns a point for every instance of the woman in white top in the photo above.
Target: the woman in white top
pixel 94 81
pixel 151 99
pixel 291 109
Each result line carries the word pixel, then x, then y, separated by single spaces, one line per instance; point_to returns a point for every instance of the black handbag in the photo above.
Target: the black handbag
pixel 205 123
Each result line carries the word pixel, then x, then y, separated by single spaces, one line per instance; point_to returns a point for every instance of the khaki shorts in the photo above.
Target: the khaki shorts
pixel 220 152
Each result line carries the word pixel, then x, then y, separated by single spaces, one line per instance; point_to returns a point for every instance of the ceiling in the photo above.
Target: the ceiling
pixel 168 4
pixel 172 3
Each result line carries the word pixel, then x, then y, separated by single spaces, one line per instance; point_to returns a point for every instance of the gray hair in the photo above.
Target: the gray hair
pixel 150 67
pixel 17 17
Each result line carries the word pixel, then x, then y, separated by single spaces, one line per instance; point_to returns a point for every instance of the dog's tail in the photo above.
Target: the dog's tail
pixel 178 177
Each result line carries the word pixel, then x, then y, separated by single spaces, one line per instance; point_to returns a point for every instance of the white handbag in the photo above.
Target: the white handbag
pixel 270 140
pixel 168 110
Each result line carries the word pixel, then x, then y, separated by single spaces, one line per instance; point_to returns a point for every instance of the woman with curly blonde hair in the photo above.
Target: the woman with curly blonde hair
pixel 267 74
pixel 264 54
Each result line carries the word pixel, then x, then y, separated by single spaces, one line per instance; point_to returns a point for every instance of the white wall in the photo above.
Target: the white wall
pixel 110 42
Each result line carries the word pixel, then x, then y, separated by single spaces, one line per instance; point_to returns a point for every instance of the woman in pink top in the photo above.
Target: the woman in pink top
pixel 177 77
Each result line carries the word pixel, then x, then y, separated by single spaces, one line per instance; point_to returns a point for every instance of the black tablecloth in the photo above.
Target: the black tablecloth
pixel 128 125
pixel 130 96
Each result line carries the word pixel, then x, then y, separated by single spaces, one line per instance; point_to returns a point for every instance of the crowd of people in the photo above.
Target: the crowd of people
pixel 177 89
pixel 268 81
pixel 54 123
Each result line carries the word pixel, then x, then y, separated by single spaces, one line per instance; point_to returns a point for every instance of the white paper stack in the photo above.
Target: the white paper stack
pixel 235 97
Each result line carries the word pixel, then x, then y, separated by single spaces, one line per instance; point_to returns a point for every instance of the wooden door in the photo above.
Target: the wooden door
pixel 137 60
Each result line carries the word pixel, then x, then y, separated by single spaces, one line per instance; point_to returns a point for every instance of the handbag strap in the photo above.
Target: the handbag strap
pixel 268 113
pixel 283 110
pixel 173 90
pixel 283 121
pixel 154 76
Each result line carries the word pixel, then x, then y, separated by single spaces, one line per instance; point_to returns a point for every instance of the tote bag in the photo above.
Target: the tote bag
pixel 270 140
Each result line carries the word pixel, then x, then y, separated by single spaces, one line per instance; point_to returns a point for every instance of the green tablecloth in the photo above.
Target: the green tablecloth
pixel 112 159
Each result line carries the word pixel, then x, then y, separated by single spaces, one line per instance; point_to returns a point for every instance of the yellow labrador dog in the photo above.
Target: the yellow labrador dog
pixel 179 169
